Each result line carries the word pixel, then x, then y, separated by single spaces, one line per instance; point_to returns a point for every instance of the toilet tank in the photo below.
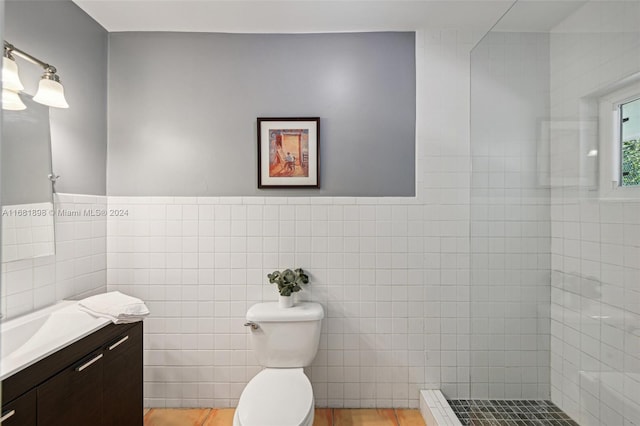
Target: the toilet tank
pixel 285 337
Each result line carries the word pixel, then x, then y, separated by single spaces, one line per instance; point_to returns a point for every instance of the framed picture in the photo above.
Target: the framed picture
pixel 289 152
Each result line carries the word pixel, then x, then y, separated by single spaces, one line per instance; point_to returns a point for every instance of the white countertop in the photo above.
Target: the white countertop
pixel 27 339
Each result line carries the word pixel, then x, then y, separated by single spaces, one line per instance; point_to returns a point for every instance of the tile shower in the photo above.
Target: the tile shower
pixel 555 266
pixel 510 412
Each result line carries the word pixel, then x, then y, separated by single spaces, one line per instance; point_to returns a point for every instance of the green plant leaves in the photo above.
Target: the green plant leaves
pixel 631 163
pixel 288 276
pixel 288 281
pixel 274 277
pixel 301 277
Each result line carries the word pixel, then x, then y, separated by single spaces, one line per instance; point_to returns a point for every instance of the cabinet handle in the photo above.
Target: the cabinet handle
pixel 118 343
pixel 8 415
pixel 88 363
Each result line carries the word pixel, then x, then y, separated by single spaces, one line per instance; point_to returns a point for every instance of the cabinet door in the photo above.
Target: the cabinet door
pixel 73 397
pixel 123 379
pixel 21 411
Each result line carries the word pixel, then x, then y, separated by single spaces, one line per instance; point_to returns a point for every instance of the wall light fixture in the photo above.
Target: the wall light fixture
pixel 50 90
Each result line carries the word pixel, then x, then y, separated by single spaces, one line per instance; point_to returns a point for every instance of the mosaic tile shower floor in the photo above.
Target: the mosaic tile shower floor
pixel 479 412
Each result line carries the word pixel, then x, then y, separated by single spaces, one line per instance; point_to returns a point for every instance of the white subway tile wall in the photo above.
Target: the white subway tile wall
pixel 392 273
pixel 78 268
pixel 200 263
pixel 595 328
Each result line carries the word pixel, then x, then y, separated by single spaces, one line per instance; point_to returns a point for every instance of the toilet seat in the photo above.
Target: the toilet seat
pixel 276 397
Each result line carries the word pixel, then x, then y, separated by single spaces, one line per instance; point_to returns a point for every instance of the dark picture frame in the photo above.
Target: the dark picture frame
pixel 288 152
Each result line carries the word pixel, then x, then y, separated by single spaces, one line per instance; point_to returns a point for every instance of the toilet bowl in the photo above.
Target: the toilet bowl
pixel 284 341
pixel 276 397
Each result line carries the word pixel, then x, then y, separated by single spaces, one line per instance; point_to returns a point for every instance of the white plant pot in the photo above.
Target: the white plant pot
pixel 285 301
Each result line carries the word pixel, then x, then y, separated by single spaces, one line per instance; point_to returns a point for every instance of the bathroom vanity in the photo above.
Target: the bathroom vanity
pixel 96 380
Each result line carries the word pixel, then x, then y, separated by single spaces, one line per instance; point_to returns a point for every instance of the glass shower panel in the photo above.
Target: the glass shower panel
pixel 595 316
pixel 510 225
pixel 555 232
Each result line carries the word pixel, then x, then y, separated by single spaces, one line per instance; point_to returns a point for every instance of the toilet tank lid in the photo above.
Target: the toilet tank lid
pixel 271 312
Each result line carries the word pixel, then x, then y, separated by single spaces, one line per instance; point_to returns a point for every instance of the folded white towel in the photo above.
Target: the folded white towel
pixel 115 320
pixel 115 305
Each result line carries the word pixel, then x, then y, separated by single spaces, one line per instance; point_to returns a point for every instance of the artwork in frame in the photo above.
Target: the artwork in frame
pixel 289 152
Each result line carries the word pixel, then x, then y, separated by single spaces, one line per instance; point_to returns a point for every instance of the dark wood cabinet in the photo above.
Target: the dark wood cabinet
pixel 96 381
pixel 73 396
pixel 21 411
pixel 122 403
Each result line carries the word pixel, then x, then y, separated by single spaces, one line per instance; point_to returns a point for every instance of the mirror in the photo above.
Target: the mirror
pixel 27 196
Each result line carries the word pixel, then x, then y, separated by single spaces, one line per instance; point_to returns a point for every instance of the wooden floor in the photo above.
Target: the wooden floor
pixel 323 417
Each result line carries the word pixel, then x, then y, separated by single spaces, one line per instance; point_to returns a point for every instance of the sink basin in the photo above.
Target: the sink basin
pixel 28 339
pixel 12 338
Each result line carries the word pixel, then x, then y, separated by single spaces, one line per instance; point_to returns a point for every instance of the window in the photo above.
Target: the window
pixel 619 145
pixel 630 143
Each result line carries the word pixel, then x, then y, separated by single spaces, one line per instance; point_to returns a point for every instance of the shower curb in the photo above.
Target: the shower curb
pixel 436 410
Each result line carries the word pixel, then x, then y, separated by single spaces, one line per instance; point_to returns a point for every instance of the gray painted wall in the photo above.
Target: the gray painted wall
pixel 60 33
pixel 183 108
pixel 1 114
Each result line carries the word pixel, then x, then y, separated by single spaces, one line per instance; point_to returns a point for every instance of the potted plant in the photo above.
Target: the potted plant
pixel 288 282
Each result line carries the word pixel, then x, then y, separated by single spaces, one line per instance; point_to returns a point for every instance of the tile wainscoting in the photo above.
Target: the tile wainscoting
pixel 201 262
pixel 77 269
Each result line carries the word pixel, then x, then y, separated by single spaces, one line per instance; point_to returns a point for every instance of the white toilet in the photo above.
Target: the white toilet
pixel 285 341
